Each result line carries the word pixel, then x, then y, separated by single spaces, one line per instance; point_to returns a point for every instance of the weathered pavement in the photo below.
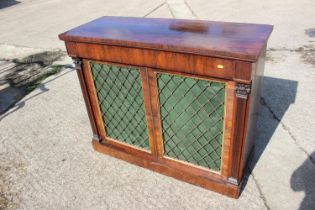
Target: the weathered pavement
pixel 46 160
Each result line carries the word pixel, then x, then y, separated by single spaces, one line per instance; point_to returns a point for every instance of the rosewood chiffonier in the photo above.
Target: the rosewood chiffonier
pixel 178 97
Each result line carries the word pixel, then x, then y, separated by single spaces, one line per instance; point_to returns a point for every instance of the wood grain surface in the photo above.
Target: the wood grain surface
pixel 220 39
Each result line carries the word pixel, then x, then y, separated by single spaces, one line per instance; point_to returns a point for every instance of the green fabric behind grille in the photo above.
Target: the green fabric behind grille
pixel 192 113
pixel 120 99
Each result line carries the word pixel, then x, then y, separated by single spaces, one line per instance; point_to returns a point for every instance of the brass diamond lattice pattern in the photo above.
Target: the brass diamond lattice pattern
pixel 192 112
pixel 121 102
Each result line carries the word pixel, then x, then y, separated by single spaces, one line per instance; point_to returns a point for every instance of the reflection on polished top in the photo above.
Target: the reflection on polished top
pixel 219 39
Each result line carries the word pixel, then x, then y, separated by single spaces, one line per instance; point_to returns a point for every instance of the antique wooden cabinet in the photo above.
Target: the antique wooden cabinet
pixel 178 97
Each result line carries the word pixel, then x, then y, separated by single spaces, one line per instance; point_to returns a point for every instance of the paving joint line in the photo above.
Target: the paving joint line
pixel 153 10
pixel 169 8
pixel 287 129
pixel 262 196
pixel 191 10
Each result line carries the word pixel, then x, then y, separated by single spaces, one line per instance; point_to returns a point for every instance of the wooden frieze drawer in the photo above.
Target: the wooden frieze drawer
pixel 175 96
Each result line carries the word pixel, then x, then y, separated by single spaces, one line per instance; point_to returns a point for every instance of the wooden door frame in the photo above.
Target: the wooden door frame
pixel 98 115
pixel 227 130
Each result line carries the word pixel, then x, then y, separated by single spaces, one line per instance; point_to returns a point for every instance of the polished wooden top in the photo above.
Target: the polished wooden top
pixel 240 41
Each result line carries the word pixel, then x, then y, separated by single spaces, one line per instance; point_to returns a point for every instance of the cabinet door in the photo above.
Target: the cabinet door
pixel 119 94
pixel 192 119
pixel 195 118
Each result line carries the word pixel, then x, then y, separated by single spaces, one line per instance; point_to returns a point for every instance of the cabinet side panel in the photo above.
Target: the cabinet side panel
pixel 253 108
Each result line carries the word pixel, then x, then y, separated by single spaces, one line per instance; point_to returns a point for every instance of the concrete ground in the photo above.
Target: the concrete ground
pixel 47 162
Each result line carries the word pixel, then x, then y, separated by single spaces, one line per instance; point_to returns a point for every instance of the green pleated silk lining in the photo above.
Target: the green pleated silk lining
pixel 120 99
pixel 192 116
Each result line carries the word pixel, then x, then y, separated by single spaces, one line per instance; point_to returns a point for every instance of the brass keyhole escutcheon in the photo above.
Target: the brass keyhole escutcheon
pixel 220 66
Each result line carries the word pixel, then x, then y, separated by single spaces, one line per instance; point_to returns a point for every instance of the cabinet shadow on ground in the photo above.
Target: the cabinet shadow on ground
pixel 277 96
pixel 19 103
pixel 303 179
pixel 8 3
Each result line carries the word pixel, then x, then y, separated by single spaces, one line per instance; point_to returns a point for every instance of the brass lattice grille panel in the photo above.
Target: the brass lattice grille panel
pixel 192 115
pixel 120 99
